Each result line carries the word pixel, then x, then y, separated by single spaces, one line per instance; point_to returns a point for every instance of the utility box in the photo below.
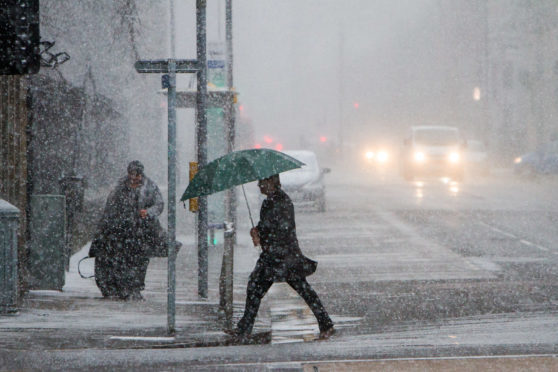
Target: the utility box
pixel 9 223
pixel 47 248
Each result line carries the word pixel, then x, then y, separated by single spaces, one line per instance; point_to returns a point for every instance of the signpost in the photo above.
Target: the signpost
pixel 224 100
pixel 172 67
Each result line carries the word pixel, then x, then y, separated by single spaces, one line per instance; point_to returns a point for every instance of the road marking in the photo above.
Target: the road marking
pixel 141 338
pixel 498 230
pixel 523 241
pixel 526 242
pixel 508 234
pixel 534 245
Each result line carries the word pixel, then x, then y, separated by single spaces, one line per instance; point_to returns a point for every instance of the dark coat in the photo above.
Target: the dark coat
pixel 123 241
pixel 281 254
pixel 121 221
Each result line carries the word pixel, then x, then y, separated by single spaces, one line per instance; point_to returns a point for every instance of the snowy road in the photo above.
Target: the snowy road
pixel 422 269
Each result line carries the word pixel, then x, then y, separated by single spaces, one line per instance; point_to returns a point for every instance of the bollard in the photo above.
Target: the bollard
pixel 9 223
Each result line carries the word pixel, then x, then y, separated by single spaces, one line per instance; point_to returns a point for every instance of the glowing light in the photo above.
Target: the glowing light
pixel 258 146
pixel 241 108
pixel 267 139
pixel 476 94
pixel 420 157
pixel 454 157
pixel 382 156
pixel 279 147
pixel 517 160
pixel 356 105
pixel 369 155
pixel 323 139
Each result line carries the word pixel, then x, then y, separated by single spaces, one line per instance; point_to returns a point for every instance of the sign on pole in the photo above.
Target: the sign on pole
pixel 171 67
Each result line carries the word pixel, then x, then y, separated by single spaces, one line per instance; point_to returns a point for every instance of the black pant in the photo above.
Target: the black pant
pixel 258 285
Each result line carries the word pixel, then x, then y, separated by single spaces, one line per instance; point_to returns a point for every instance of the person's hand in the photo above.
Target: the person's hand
pixel 143 213
pixel 255 236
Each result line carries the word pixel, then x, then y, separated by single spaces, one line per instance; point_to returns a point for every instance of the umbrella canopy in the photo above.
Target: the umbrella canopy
pixel 237 168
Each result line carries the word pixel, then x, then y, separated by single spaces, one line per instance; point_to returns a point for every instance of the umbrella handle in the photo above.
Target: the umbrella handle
pixel 247 205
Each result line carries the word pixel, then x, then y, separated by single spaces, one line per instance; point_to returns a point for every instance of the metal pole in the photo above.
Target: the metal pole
pixel 171 289
pixel 201 132
pixel 230 199
pixel 172 31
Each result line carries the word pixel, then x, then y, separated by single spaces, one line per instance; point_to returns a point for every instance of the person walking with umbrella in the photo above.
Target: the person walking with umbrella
pixel 281 259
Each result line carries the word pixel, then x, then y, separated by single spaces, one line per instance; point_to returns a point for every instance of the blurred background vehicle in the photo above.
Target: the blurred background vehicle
pixel 306 185
pixel 544 160
pixel 377 157
pixel 432 151
pixel 476 157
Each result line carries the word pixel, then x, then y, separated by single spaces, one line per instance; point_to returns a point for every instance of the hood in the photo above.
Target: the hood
pixel 299 177
pixel 437 150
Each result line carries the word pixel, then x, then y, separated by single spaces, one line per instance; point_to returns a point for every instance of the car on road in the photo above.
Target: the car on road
pixel 377 157
pixel 306 185
pixel 432 151
pixel 476 157
pixel 544 160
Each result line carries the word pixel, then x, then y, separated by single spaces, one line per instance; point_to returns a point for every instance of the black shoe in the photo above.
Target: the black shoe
pixel 123 296
pixel 110 297
pixel 236 333
pixel 326 333
pixel 136 296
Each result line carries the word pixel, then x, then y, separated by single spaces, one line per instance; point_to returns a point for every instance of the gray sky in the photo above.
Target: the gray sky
pixel 290 57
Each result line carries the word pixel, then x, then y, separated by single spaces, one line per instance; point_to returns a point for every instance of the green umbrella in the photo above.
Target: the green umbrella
pixel 237 168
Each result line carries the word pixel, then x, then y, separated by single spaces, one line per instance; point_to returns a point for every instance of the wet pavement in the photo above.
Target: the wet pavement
pixel 79 318
pixel 512 363
pixel 442 274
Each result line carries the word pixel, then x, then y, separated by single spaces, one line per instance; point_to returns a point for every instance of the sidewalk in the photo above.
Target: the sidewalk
pixel 79 318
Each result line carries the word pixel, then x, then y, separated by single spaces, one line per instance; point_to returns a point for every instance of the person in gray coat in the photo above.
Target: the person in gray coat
pixel 281 260
pixel 128 228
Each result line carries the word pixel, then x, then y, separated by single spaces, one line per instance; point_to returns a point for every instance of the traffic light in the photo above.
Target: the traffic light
pixel 19 37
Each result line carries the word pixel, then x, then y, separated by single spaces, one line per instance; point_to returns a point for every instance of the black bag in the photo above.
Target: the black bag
pixel 97 246
pixel 154 238
pixel 156 250
pixel 309 266
pixel 160 250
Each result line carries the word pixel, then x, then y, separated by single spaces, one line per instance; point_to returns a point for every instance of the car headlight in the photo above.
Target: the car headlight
pixel 382 157
pixel 517 160
pixel 369 155
pixel 419 157
pixel 454 157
